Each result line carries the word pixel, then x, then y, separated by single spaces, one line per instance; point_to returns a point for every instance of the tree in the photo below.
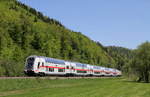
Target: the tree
pixel 141 62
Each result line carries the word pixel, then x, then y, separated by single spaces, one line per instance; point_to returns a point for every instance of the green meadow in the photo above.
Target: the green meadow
pixel 101 87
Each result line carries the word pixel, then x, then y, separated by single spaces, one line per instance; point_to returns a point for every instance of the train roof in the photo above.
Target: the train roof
pixel 81 65
pixel 56 61
pixel 51 60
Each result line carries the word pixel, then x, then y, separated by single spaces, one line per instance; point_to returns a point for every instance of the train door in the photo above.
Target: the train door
pixel 41 65
pixel 89 70
pixel 72 69
pixel 68 67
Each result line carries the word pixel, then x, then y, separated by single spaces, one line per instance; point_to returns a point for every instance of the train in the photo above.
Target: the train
pixel 40 65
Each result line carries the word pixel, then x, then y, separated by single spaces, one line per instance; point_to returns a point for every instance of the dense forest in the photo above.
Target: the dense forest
pixel 25 31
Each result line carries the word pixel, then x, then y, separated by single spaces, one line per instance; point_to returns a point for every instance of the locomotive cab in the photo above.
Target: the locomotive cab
pixel 29 65
pixel 34 65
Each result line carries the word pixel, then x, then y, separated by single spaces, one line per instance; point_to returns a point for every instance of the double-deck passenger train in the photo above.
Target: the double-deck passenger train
pixel 39 65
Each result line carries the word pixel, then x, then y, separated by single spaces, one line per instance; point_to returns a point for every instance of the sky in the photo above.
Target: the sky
pixel 123 23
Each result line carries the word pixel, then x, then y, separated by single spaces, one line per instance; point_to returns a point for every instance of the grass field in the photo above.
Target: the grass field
pixel 104 87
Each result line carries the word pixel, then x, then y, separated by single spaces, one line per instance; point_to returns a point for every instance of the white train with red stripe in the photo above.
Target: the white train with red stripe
pixel 39 65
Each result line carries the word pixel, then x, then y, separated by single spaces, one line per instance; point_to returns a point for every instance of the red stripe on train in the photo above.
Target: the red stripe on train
pixel 75 69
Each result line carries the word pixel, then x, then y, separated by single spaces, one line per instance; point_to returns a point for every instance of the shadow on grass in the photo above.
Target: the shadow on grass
pixel 133 81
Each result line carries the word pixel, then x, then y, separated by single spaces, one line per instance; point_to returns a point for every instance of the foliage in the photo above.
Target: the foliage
pixel 122 56
pixel 140 64
pixel 25 31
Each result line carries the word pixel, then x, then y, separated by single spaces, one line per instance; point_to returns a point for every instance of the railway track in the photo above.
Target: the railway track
pixel 52 77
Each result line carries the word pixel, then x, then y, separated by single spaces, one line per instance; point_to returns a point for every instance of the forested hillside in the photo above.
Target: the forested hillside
pixel 122 56
pixel 24 32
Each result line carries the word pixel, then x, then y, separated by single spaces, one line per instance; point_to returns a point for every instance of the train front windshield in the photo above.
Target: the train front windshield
pixel 30 62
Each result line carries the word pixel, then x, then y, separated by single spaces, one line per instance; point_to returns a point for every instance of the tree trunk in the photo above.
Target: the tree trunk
pixel 146 79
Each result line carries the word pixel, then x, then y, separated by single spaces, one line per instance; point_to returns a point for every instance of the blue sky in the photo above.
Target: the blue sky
pixel 111 22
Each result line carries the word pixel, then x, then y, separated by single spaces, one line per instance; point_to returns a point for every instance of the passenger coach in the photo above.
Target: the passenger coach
pixel 39 65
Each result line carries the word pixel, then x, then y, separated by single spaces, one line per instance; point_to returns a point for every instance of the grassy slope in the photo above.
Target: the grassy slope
pixel 112 87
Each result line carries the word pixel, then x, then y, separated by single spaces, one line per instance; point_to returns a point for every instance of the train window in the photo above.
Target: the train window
pixel 30 62
pixel 78 71
pixel 96 72
pixel 38 64
pixel 67 67
pixel 42 63
pixel 51 69
pixel 84 71
pixel 46 69
pixel 73 69
pixel 61 70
